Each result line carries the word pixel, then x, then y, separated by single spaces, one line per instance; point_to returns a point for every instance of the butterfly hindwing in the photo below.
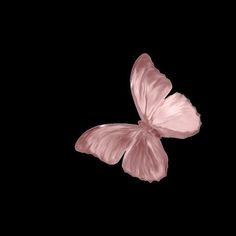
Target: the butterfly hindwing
pixel 146 159
pixel 177 117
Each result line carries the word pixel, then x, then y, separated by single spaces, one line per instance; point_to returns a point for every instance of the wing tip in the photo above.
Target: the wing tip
pixel 146 179
pixel 143 57
pixel 196 113
pixel 77 146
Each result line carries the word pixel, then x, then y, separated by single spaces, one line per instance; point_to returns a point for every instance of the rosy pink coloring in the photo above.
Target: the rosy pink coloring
pixel 161 116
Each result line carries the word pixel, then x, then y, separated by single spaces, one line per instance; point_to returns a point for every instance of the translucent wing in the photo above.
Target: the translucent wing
pixel 176 117
pixel 107 142
pixel 146 158
pixel 148 86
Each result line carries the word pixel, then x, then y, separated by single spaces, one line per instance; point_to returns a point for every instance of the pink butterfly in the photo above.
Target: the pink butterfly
pixel 161 116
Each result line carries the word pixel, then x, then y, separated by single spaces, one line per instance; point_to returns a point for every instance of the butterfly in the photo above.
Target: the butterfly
pixel 161 116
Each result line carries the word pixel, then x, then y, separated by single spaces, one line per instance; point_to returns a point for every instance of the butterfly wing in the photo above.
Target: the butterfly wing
pixel 176 117
pixel 148 86
pixel 173 116
pixel 146 158
pixel 107 142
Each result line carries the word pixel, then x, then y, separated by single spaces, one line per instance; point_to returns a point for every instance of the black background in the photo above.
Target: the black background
pixel 80 73
pixel 94 89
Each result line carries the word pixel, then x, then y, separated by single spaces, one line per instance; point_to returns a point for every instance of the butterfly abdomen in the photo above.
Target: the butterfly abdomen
pixel 148 128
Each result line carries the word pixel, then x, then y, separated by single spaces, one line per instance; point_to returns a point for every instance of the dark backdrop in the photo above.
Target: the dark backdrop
pixel 81 75
pixel 92 78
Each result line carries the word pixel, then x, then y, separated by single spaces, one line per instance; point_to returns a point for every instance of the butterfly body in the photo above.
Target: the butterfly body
pixel 161 116
pixel 146 128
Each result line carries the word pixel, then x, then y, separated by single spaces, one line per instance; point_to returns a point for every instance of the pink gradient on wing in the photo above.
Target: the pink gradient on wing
pixel 161 116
